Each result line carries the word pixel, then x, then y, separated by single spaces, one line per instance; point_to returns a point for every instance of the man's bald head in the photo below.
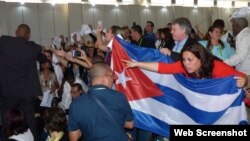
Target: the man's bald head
pixel 98 69
pixel 101 73
pixel 23 30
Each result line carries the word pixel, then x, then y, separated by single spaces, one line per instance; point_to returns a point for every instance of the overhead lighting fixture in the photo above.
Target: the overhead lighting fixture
pixel 173 2
pixel 233 3
pixel 215 2
pixel 195 2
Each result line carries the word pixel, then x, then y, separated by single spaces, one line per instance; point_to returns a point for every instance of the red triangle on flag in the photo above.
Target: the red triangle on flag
pixel 139 86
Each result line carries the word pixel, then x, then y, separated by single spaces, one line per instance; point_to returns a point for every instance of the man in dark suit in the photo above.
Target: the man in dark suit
pixel 19 81
pixel 138 39
pixel 181 30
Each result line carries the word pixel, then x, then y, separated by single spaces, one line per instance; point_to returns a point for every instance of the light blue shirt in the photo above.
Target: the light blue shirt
pixel 179 45
pixel 217 50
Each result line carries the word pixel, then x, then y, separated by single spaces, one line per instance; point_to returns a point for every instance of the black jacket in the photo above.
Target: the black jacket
pixel 18 69
pixel 176 56
pixel 144 42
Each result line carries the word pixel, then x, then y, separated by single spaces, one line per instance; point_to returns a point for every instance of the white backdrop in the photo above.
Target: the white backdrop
pixel 46 20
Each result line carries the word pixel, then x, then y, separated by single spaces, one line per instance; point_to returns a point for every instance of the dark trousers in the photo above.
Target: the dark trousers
pixel 26 104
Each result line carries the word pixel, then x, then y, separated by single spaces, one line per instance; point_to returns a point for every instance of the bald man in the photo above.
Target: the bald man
pixel 19 82
pixel 104 113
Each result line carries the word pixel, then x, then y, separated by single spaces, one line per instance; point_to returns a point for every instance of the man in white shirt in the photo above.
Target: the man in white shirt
pixel 181 29
pixel 66 96
pixel 241 59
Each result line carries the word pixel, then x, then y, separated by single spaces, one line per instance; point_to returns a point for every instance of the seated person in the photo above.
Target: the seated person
pixel 16 127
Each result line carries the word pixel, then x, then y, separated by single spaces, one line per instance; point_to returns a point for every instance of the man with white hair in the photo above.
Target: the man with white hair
pixel 181 30
pixel 241 58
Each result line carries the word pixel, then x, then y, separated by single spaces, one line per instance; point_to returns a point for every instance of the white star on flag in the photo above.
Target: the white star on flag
pixel 122 78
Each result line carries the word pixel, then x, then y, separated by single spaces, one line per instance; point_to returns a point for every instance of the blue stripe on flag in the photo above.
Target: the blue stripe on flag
pixel 202 86
pixel 155 125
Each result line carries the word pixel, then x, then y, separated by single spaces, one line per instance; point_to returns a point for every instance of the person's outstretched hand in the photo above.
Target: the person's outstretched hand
pixel 130 64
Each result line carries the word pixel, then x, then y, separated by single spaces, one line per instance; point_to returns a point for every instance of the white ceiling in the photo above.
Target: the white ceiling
pixel 187 3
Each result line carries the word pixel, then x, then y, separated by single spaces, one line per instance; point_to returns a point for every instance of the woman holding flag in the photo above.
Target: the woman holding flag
pixel 196 63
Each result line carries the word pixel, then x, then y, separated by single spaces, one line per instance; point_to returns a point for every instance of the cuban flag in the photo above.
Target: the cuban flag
pixel 161 100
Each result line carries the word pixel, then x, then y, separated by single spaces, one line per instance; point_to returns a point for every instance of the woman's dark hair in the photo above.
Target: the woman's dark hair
pixel 208 38
pixel 69 73
pixel 206 58
pixel 219 22
pixel 15 122
pixel 168 41
pixel 55 119
pixel 51 69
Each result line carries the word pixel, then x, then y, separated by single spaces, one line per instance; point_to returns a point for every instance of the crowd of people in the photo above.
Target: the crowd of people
pixel 57 95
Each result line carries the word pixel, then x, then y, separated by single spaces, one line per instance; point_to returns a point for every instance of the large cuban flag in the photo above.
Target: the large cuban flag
pixel 160 100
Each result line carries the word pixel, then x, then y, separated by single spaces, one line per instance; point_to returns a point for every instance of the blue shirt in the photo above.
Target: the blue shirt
pixel 95 124
pixel 218 51
pixel 151 36
pixel 179 45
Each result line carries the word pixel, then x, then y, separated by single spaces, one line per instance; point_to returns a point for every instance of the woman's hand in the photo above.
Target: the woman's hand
pixel 83 55
pixel 130 64
pixel 59 53
pixel 240 81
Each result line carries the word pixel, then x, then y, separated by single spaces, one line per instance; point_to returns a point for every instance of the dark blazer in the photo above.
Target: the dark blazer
pixel 144 42
pixel 18 69
pixel 176 56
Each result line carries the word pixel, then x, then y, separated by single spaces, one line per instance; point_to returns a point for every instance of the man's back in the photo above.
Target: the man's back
pixel 93 121
pixel 18 73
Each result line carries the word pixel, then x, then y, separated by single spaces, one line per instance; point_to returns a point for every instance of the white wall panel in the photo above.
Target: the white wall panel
pixel 169 15
pixel 122 15
pixel 163 16
pixel 151 16
pixel 75 17
pixel 144 16
pixel 160 18
pixel 46 23
pixel 61 19
pixel 203 19
pixel 88 14
pixel 3 19
pixel 31 17
pixel 134 15
pixel 191 14
pixel 111 14
pixel 178 11
pixel 100 15
pixel 14 16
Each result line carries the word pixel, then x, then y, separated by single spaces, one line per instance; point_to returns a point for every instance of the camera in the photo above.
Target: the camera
pixel 76 53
